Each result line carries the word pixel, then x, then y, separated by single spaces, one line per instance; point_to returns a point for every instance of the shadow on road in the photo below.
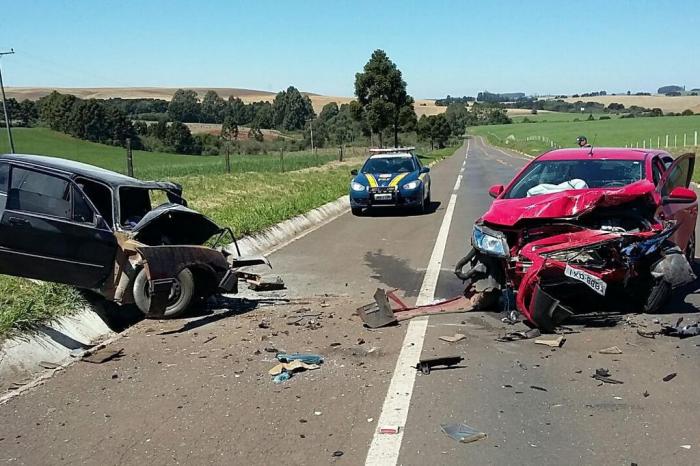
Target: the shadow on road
pixel 400 212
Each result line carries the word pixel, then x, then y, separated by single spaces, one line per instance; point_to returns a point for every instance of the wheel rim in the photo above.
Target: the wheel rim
pixel 173 297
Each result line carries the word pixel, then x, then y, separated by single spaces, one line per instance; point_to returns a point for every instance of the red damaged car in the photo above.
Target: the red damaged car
pixel 584 230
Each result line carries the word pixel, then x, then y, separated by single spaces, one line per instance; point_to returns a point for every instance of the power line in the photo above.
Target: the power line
pixel 4 106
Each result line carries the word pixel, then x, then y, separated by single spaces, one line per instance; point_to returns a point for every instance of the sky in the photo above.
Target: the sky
pixel 441 47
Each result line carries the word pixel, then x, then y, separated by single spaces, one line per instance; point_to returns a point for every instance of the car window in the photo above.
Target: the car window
pixel 678 175
pixel 81 210
pixel 4 175
pixel 550 176
pixel 389 165
pixel 40 193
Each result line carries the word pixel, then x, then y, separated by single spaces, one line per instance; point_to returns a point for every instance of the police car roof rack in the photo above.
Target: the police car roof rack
pixel 391 150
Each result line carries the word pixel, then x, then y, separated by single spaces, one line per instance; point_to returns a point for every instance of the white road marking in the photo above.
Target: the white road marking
pixel 385 449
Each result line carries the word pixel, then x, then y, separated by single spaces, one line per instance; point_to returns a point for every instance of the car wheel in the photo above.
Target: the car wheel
pixel 658 296
pixel 690 249
pixel 180 297
pixel 428 201
pixel 356 211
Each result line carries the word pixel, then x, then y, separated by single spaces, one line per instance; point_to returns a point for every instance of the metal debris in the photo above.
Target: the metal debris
pixel 604 376
pixel 462 432
pixel 426 364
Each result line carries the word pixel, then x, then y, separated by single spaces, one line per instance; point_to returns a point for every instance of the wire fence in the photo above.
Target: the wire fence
pixel 667 141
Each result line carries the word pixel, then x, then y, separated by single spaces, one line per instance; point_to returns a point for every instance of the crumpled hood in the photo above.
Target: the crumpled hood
pixel 174 224
pixel 565 204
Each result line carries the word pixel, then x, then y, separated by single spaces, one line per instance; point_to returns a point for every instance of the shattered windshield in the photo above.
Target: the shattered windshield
pixel 389 165
pixel 134 203
pixel 550 176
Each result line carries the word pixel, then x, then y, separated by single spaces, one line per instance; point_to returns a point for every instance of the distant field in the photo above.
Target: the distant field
pixel 151 165
pixel 543 116
pixel 422 106
pixel 667 104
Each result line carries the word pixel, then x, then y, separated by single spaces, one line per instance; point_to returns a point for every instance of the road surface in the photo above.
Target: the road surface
pixel 197 391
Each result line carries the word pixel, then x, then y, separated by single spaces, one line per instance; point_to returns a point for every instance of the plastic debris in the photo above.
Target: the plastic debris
pixel 453 339
pixel 389 430
pixel 462 432
pixel 426 364
pixel 553 342
pixel 611 350
pixel 307 358
pixel 282 377
pixel 293 366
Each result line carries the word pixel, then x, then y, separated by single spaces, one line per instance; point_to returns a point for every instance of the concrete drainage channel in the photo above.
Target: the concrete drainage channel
pixel 28 360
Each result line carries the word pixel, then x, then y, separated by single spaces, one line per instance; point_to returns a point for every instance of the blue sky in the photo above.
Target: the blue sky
pixel 442 47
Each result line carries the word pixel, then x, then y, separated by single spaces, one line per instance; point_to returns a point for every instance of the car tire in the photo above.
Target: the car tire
pixel 356 211
pixel 658 296
pixel 180 299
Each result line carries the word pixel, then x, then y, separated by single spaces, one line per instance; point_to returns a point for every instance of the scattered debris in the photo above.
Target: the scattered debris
pixel 338 453
pixel 282 377
pixel 103 355
pixel 426 364
pixel 526 335
pixel 557 342
pixel 687 447
pixel 604 376
pixel 317 413
pixel 389 429
pixel 462 432
pixel 685 331
pixel 670 377
pixel 535 387
pixel 611 350
pixel 294 366
pixel 260 283
pixel 308 358
pixel 265 323
pixel 645 394
pixel 209 339
pixel 453 339
pixel 651 335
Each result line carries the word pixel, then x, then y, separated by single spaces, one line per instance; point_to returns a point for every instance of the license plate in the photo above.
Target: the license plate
pixel 382 197
pixel 593 282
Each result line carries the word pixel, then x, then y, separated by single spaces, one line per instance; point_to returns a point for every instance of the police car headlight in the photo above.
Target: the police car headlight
pixel 412 185
pixel 357 186
pixel 489 242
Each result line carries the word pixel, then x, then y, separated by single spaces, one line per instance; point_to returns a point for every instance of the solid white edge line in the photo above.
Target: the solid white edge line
pixel 385 448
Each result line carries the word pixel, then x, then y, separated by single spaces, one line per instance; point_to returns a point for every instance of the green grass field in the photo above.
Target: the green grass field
pixel 614 132
pixel 255 196
pixel 542 116
pixel 152 165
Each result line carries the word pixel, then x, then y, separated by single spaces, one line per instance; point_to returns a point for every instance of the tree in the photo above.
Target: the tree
pixel 184 106
pixel 179 137
pixel 88 121
pixel 213 108
pixel 229 133
pixel 27 112
pixel 381 91
pixel 238 111
pixel 329 111
pixel 291 110
pixel 255 133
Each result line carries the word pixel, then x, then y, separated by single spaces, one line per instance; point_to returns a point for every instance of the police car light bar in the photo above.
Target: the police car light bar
pixel 391 150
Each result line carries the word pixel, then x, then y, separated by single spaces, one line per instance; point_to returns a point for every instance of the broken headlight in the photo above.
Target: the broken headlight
pixel 588 257
pixel 489 241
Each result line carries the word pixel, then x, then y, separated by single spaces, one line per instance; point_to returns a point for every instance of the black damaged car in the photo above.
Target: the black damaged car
pixel 131 241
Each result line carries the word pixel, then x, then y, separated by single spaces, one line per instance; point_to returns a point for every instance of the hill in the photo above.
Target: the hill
pixel 665 103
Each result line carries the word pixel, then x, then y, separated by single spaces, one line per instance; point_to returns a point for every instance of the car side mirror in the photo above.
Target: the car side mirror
pixel 496 190
pixel 680 195
pixel 353 172
pixel 425 169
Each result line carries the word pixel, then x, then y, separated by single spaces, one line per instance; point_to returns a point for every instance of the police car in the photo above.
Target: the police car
pixel 390 178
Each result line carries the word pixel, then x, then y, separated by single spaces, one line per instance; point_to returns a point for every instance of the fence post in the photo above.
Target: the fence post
pixel 667 141
pixel 684 140
pixel 696 138
pixel 675 141
pixel 282 159
pixel 658 142
pixel 129 158
pixel 228 157
pixel 644 144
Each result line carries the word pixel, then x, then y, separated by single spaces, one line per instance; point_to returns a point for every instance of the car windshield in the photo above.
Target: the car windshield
pixel 134 203
pixel 551 176
pixel 389 165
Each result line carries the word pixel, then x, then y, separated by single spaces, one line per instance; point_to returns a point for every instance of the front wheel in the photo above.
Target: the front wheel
pixel 356 211
pixel 179 299
pixel 659 295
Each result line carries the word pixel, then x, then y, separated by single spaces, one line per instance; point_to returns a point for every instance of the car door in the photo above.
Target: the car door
pixel 49 231
pixel 679 204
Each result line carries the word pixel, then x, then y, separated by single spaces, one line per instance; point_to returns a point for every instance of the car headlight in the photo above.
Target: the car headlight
pixel 489 241
pixel 412 185
pixel 357 186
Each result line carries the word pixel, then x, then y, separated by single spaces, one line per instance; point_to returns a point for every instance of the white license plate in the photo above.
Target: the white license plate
pixel 593 282
pixel 382 197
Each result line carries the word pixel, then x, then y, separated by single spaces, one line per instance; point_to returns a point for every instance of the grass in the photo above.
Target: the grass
pixel 152 165
pixel 248 202
pixel 24 304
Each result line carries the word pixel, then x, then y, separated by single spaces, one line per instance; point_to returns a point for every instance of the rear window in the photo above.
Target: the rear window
pixel 39 193
pixel 544 177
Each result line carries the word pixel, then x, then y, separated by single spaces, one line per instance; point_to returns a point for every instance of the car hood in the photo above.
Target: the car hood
pixel 388 179
pixel 565 204
pixel 174 224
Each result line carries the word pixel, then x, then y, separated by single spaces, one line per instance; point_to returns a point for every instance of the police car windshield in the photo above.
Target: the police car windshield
pixel 389 165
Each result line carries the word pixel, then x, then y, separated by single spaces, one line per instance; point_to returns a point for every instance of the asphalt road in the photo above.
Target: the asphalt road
pixel 197 391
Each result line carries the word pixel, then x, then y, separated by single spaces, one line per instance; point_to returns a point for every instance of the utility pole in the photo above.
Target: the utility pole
pixel 4 106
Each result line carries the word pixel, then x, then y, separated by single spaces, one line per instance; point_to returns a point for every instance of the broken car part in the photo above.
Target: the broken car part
pixel 425 365
pixel 462 432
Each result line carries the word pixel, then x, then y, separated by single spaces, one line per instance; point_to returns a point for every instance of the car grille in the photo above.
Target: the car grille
pixel 382 189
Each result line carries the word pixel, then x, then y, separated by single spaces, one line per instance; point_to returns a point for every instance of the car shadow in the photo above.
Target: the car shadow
pixel 400 211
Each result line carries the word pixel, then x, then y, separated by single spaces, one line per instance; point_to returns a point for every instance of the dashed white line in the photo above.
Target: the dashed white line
pixel 385 449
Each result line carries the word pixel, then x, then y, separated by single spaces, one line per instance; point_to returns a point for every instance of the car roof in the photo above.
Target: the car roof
pixel 109 177
pixel 600 153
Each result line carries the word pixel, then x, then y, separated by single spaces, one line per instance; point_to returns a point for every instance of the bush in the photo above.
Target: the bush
pixel 687 112
pixel 604 117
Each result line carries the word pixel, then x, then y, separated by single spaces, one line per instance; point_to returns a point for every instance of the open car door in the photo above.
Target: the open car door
pixel 679 201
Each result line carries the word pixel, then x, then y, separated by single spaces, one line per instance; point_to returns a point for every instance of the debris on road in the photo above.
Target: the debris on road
pixel 462 432
pixel 535 387
pixel 453 339
pixel 670 377
pixel 651 335
pixel 282 377
pixel 426 364
pixel 556 342
pixel 611 350
pixel 604 376
pixel 380 313
pixel 515 336
pixel 685 331
pixel 103 355
pixel 292 367
pixel 338 453
pixel 308 358
pixel 389 429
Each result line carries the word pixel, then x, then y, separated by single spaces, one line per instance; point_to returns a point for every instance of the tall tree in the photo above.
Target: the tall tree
pixel 381 91
pixel 213 108
pixel 184 106
pixel 291 109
